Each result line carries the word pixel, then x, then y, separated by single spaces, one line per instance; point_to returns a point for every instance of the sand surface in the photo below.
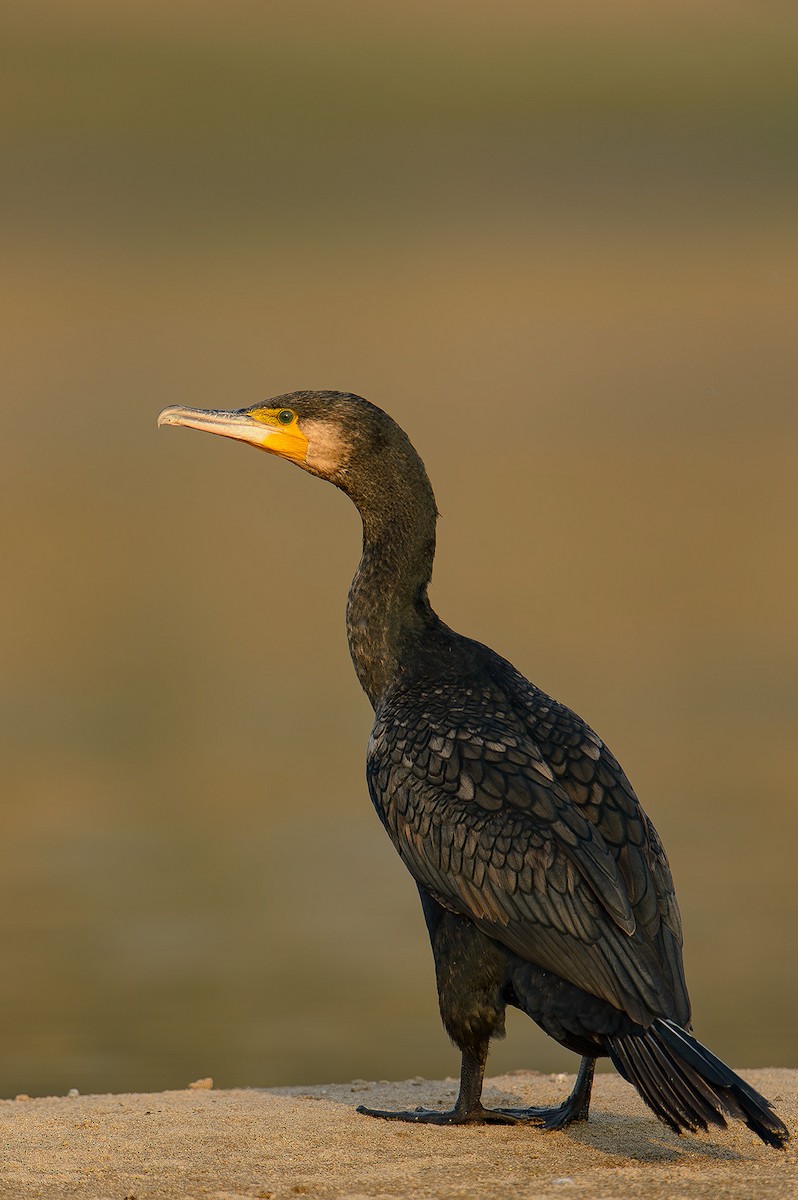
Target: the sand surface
pixel 290 1142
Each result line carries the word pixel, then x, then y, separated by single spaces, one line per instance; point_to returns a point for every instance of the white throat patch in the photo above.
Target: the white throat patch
pixel 327 451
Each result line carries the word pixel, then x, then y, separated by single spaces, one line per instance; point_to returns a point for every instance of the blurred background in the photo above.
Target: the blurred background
pixel 558 243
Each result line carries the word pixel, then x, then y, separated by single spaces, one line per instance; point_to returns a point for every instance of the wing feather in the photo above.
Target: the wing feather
pixel 525 823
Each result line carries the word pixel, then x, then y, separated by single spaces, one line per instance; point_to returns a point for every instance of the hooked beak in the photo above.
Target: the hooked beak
pixel 285 441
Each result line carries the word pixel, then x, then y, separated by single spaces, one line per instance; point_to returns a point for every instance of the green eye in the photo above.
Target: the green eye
pixel 285 416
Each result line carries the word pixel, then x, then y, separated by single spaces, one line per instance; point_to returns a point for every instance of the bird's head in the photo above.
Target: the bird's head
pixel 325 433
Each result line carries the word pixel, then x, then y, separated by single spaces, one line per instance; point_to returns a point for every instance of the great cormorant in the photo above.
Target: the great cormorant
pixel 543 883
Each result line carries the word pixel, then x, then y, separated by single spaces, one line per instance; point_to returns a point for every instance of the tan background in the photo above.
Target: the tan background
pixel 558 243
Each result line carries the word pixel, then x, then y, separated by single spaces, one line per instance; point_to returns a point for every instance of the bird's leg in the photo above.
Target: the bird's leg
pixel 468 1108
pixel 575 1108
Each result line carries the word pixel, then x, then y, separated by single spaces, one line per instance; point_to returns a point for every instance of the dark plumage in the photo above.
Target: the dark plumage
pixel 543 883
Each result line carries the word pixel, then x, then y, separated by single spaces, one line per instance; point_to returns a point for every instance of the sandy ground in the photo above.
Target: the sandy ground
pixel 310 1141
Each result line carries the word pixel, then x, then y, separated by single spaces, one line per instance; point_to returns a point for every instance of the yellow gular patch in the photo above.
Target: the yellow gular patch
pixel 281 433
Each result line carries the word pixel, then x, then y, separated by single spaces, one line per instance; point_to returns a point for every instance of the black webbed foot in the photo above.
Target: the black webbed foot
pixel 573 1109
pixel 547 1119
pixel 453 1116
pixel 469 1109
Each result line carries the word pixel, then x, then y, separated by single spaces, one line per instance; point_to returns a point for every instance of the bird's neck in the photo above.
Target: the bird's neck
pixel 388 614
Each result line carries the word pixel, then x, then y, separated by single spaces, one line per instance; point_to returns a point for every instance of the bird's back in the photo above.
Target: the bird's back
pixel 511 811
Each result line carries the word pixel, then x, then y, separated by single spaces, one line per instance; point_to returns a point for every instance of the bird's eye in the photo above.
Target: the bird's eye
pixel 285 416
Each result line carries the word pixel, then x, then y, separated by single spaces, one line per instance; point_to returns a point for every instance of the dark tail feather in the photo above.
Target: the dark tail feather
pixel 687 1086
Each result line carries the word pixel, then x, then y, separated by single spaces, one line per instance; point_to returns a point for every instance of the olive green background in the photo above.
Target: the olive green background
pixel 558 243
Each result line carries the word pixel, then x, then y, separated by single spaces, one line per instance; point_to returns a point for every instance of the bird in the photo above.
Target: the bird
pixel 544 885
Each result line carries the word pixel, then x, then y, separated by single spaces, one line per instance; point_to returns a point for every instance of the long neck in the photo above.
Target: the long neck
pixel 388 612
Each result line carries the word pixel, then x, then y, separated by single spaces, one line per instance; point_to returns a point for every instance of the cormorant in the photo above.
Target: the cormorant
pixel 543 883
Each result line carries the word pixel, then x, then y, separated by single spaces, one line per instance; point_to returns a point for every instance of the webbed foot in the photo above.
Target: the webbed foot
pixel 573 1109
pixel 547 1119
pixel 453 1116
pixel 469 1109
